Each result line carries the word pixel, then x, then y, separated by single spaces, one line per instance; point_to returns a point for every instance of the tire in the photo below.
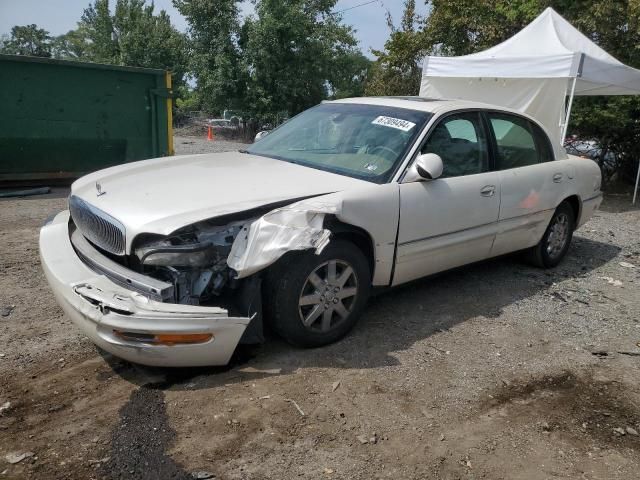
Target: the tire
pixel 295 297
pixel 556 240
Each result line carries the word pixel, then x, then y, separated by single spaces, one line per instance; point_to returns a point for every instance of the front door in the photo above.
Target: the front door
pixel 450 221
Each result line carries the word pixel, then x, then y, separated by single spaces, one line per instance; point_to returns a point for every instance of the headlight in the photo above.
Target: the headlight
pixel 196 246
pixel 190 255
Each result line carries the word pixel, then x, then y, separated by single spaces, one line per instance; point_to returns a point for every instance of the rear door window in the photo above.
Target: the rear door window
pixel 520 143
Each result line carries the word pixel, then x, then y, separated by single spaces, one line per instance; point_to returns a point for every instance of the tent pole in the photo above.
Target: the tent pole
pixel 635 190
pixel 568 113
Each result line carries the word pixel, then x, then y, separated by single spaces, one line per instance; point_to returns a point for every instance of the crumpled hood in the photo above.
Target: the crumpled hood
pixel 164 194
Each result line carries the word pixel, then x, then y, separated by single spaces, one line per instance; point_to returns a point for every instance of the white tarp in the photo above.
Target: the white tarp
pixel 532 72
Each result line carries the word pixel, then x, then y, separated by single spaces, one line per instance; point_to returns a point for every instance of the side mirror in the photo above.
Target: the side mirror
pixel 427 166
pixel 261 134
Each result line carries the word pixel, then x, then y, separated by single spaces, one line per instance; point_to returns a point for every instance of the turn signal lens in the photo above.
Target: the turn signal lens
pixel 175 338
pixel 165 338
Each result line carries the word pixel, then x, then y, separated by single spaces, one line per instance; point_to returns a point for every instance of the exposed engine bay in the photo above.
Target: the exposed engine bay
pixel 188 267
pixel 193 265
pixel 193 259
pixel 211 263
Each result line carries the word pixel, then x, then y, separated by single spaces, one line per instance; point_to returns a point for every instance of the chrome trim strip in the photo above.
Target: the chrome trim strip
pixel 150 287
pixel 449 233
pixel 498 223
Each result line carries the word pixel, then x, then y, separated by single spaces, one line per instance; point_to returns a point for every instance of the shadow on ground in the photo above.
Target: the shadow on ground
pixel 56 192
pixel 392 321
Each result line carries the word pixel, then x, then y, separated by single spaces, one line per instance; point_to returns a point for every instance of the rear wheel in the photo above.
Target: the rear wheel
pixel 314 299
pixel 556 239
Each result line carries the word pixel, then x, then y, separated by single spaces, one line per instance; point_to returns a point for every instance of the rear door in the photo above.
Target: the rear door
pixel 532 183
pixel 449 221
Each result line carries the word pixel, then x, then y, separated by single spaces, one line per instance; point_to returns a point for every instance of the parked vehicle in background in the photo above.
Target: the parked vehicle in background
pixel 173 261
pixel 260 134
pixel 607 160
pixel 219 122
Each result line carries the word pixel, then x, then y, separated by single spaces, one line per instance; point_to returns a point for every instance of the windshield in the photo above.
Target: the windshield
pixel 361 141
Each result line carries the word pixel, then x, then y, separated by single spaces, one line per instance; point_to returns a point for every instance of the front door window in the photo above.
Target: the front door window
pixel 461 143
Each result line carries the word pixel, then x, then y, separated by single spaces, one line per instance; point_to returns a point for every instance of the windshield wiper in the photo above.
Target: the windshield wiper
pixel 302 149
pixel 243 150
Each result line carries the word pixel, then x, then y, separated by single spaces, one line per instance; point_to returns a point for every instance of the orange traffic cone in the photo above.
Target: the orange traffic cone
pixel 210 134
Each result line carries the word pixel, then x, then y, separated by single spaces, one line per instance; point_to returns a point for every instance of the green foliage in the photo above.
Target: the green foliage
pixel 186 103
pixel 348 74
pixel 133 35
pixel 293 51
pixel 98 26
pixel 397 70
pixel 28 40
pixel 72 45
pixel 460 27
pixel 466 26
pixel 188 100
pixel 290 55
pixel 215 55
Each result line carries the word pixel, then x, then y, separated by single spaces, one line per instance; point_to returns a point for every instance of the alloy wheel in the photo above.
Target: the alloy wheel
pixel 558 235
pixel 328 296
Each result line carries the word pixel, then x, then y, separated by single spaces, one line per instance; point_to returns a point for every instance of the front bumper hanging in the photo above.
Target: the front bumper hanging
pixel 125 322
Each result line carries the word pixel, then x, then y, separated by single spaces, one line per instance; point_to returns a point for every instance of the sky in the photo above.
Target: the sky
pixel 60 16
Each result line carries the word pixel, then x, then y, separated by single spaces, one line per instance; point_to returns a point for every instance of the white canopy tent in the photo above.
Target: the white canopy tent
pixel 535 72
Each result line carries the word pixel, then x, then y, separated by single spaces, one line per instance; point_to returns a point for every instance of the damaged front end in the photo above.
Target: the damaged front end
pixel 193 260
pixel 130 314
pixel 188 267
pixel 183 299
pixel 218 261
pixel 208 273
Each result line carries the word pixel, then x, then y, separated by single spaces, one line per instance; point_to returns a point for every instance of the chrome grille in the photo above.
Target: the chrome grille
pixel 101 229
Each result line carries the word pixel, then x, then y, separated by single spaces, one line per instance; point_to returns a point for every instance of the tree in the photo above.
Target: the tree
pixel 460 27
pixel 349 74
pixel 133 35
pixel 215 60
pixel 73 45
pixel 397 69
pixel 293 50
pixel 98 26
pixel 290 55
pixel 28 40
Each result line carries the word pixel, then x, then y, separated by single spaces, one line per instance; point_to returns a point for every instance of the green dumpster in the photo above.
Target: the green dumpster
pixel 61 119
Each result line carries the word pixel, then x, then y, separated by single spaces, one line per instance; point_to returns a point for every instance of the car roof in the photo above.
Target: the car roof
pixel 424 104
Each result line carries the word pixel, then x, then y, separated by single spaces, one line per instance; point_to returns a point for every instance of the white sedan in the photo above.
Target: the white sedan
pixel 174 261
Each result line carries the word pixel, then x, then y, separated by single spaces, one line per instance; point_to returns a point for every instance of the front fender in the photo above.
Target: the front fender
pixel 300 226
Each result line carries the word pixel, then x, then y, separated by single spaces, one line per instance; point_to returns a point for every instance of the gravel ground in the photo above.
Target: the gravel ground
pixel 496 370
pixel 191 145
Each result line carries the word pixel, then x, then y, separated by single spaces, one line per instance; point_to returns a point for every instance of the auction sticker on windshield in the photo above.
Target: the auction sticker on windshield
pixel 398 123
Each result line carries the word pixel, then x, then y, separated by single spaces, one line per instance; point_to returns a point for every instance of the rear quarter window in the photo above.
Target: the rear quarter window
pixel 543 144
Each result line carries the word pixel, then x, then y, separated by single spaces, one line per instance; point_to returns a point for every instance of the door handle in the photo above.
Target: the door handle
pixel 557 178
pixel 488 191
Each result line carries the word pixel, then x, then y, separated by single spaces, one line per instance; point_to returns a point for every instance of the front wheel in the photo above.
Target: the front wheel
pixel 556 239
pixel 313 300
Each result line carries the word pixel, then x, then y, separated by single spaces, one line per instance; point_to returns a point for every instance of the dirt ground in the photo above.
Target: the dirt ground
pixel 185 145
pixel 496 371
